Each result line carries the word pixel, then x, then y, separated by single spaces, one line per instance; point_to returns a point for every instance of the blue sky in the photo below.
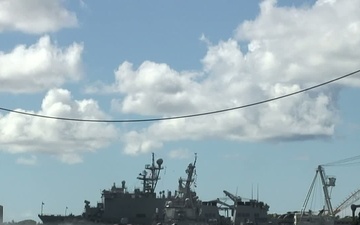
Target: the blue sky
pixel 134 60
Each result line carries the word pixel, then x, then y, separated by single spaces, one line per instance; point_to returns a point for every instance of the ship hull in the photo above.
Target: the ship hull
pixel 141 211
pixel 59 219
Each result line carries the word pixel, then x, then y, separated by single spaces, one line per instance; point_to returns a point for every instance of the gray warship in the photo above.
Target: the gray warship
pixel 119 206
pixel 185 208
pixel 145 207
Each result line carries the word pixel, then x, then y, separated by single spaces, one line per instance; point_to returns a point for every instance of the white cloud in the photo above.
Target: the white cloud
pixel 83 5
pixel 27 161
pixel 288 49
pixel 179 154
pixel 139 143
pixel 35 16
pixel 63 139
pixel 297 43
pixel 155 88
pixel 39 67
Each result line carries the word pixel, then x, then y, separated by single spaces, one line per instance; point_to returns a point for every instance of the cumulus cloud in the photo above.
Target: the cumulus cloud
pixel 35 16
pixel 299 42
pixel 288 49
pixel 39 67
pixel 155 89
pixel 63 139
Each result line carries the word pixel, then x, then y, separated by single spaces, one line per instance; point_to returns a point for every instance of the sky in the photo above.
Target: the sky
pixel 136 60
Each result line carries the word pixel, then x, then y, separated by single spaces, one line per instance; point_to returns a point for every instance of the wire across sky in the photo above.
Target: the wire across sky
pixel 182 116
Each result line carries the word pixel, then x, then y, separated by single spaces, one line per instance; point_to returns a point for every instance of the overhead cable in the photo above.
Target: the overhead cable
pixel 181 116
pixel 344 162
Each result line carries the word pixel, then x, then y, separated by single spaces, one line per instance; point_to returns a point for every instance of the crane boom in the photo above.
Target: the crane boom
pixel 231 196
pixel 326 182
pixel 354 197
pixel 325 189
pixel 224 203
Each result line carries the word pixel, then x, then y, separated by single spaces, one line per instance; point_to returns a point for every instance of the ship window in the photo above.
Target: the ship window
pixel 140 215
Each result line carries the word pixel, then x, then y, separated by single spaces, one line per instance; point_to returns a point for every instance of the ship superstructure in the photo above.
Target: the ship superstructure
pixel 119 206
pixel 248 211
pixel 186 208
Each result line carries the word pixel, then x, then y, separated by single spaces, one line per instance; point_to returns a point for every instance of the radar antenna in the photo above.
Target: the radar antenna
pixel 150 180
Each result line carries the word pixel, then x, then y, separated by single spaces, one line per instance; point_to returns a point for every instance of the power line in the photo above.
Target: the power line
pixel 182 116
pixel 344 162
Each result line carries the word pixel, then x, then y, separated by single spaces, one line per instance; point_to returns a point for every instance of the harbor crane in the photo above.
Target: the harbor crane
pixel 329 182
pixel 326 182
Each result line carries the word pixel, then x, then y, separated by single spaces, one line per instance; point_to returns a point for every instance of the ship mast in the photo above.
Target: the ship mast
pixel 190 171
pixel 150 182
pixel 186 190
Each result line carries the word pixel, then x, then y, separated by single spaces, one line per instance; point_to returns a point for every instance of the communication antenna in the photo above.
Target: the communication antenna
pixel 252 190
